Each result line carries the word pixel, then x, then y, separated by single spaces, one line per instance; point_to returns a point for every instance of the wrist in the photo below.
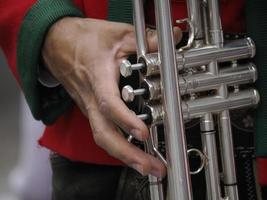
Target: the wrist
pixel 33 30
pixel 59 45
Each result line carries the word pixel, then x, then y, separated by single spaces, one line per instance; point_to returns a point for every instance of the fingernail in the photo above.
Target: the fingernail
pixel 156 173
pixel 137 133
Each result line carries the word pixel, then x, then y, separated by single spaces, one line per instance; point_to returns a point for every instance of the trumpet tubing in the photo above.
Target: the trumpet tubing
pixel 199 80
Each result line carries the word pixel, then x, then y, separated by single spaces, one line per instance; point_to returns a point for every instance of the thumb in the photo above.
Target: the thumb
pixel 178 34
pixel 152 39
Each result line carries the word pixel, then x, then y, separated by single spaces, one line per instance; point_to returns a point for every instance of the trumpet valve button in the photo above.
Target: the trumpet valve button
pixel 126 68
pixel 128 93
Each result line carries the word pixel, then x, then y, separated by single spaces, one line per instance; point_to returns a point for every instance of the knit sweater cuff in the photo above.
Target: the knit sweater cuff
pixel 46 104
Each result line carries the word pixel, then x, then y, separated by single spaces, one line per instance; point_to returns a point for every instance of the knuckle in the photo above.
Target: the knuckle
pixel 103 105
pixel 129 28
pixel 97 138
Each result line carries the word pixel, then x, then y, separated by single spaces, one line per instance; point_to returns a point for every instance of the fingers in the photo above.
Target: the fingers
pixel 116 110
pixel 130 46
pixel 177 32
pixel 108 137
pixel 152 40
pixel 111 105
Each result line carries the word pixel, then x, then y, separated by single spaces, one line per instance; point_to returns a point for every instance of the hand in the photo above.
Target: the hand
pixel 84 55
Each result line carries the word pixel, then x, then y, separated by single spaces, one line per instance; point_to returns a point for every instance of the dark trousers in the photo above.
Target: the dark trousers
pixel 79 181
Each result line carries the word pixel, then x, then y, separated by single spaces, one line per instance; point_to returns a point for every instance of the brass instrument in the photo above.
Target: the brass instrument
pixel 170 83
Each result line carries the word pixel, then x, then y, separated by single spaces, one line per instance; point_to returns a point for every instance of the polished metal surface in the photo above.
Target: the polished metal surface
pixel 140 30
pixel 179 183
pixel 209 148
pixel 225 129
pixel 240 49
pixel 203 160
pixel 215 104
pixel 155 114
pixel 195 57
pixel 205 80
pixel 153 86
pixel 156 186
pixel 126 68
pixel 242 74
pixel 227 153
pixel 151 64
pixel 195 16
pixel 128 93
pixel 191 32
pixel 198 108
pixel 150 90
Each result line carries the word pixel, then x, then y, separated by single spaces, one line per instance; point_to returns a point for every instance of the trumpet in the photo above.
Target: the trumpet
pixel 200 80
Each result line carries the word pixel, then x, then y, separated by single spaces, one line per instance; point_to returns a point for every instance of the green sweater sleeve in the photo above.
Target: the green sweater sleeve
pixel 46 104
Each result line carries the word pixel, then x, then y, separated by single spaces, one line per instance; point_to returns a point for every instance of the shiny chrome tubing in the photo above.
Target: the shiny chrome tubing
pixel 214 23
pixel 155 184
pixel 225 129
pixel 200 107
pixel 216 104
pixel 195 57
pixel 156 189
pixel 243 48
pixel 208 137
pixel 140 28
pixel 209 148
pixel 176 85
pixel 246 73
pixel 179 183
pixel 150 88
pixel 195 16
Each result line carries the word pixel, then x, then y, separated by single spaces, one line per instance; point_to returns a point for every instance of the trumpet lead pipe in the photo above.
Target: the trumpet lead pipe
pixel 179 183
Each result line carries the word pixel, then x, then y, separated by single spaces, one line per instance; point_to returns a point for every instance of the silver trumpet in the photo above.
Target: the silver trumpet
pixel 200 80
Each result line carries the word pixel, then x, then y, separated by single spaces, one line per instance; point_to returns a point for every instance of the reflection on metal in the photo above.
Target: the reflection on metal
pixel 200 80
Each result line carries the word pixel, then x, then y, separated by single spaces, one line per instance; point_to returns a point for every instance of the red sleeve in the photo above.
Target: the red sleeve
pixel 12 13
pixel 262 171
pixel 79 4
